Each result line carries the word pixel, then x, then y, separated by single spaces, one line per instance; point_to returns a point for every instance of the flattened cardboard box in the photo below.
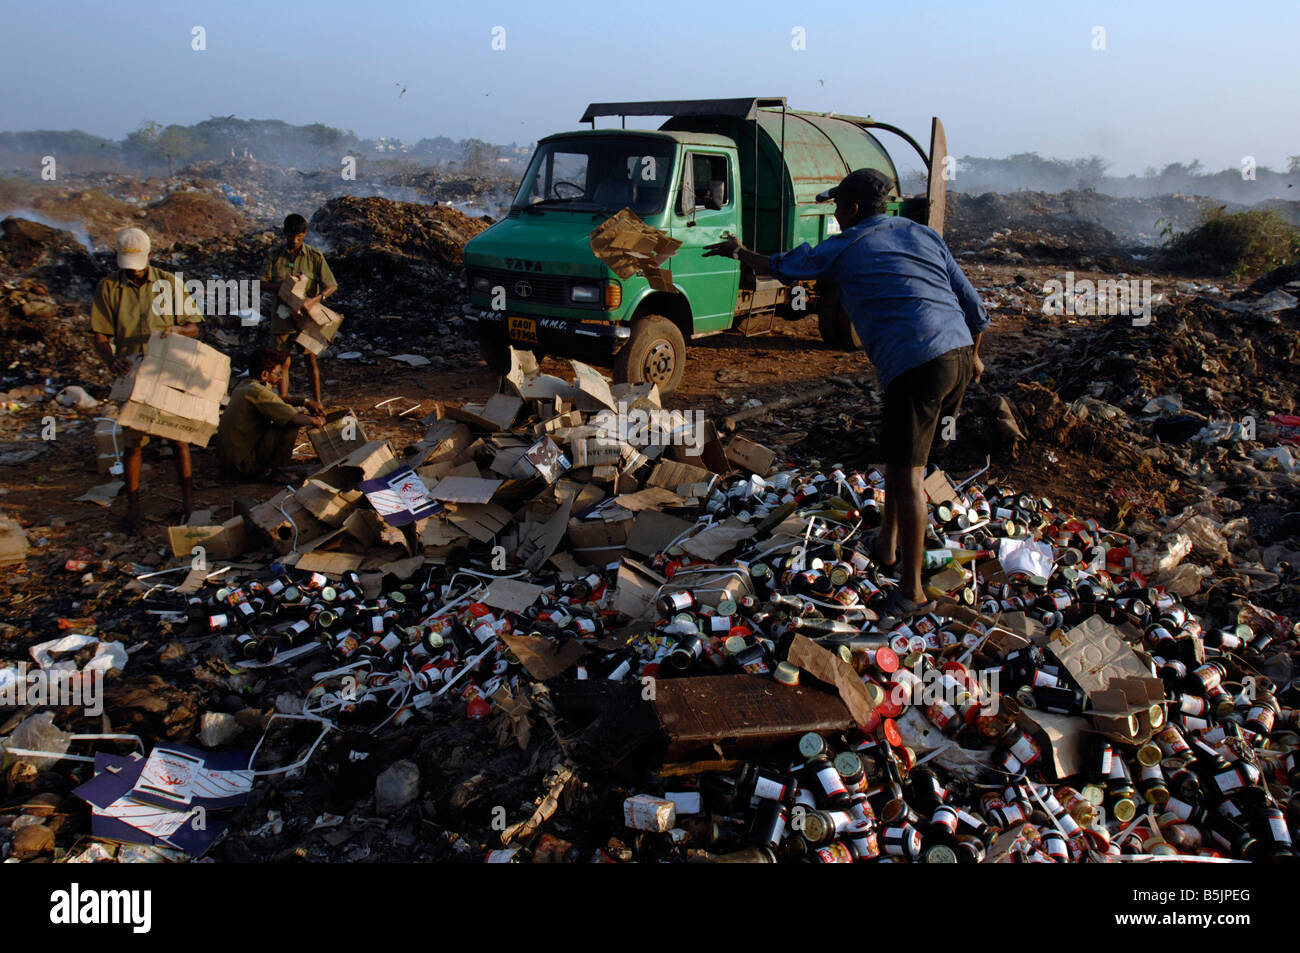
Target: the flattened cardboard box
pixel 752 456
pixel 1131 710
pixel 224 541
pixel 329 441
pixel 175 390
pixel 1094 652
pixel 597 542
pixel 13 542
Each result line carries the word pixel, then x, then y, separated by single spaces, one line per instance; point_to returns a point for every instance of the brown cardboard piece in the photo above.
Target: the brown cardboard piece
pixel 316 325
pixel 1059 737
pixel 590 382
pixel 834 671
pixel 598 542
pixel 329 442
pixel 752 456
pixel 652 531
pixel 496 414
pixel 480 520
pixel 13 542
pixel 223 541
pixel 527 380
pixel 368 462
pixel 651 498
pixel 540 656
pixel 938 488
pixel 458 489
pixel 327 504
pixel 175 390
pixel 330 562
pixel 1094 652
pixel 682 478
pixel 713 542
pixel 710 455
pixel 445 441
pixel 710 584
pixel 636 588
pixel 629 246
pixel 277 518
pixel 511 595
pixel 541 530
pixel 1130 710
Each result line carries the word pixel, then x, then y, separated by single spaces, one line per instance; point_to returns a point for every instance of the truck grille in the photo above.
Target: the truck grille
pixel 545 289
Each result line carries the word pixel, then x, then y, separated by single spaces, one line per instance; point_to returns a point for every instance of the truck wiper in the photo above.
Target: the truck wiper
pixel 527 208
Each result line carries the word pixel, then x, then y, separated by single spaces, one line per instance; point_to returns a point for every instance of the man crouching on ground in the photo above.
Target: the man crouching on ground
pixel 258 428
pixel 920 322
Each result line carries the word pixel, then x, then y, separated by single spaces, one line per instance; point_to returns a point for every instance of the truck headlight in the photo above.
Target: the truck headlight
pixel 483 284
pixel 587 294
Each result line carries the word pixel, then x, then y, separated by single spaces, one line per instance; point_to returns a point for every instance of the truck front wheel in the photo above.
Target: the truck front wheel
pixel 656 353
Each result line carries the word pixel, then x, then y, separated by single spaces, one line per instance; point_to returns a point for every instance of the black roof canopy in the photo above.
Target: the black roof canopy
pixel 745 107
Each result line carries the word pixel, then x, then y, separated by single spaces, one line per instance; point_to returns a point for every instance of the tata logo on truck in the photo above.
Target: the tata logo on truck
pixel 523 264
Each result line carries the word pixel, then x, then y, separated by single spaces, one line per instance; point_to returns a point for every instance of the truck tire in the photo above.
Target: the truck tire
pixel 495 354
pixel 656 352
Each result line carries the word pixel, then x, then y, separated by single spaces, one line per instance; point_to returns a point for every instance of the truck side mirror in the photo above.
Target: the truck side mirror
pixel 686 197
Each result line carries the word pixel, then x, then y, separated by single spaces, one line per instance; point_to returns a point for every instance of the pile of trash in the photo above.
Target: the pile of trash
pixel 696 639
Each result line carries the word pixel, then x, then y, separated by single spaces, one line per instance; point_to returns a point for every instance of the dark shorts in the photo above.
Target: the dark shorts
pixel 917 401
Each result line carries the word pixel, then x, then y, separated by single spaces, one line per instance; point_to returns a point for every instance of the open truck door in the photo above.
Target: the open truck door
pixel 937 184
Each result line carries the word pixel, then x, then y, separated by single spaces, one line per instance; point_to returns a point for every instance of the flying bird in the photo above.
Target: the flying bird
pixel 403 90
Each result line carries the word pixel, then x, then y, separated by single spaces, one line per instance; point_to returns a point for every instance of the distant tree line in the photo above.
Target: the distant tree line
pixel 976 175
pixel 157 147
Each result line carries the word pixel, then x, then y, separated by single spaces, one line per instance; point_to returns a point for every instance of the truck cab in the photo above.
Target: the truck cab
pixel 749 167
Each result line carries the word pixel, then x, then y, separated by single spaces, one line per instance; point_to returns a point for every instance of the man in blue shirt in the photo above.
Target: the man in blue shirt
pixel 920 322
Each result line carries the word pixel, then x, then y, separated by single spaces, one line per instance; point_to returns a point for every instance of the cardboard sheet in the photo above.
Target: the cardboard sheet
pixel 834 671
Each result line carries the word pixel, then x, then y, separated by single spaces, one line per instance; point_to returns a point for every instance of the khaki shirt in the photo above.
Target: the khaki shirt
pixel 253 409
pixel 130 314
pixel 280 265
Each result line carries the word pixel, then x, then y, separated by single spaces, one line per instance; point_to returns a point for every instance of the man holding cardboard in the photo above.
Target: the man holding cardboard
pixel 128 308
pixel 258 428
pixel 920 322
pixel 287 262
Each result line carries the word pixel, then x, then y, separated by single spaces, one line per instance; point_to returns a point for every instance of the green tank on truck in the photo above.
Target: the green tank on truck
pixel 751 167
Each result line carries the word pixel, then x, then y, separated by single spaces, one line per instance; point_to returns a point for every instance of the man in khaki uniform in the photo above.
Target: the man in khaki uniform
pixel 258 429
pixel 296 257
pixel 128 307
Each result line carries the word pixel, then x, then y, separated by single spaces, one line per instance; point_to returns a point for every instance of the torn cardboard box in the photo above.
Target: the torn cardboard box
pixel 222 541
pixel 341 435
pixel 628 246
pixel 175 390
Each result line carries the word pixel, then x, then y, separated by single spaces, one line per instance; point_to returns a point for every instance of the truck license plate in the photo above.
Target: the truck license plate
pixel 523 329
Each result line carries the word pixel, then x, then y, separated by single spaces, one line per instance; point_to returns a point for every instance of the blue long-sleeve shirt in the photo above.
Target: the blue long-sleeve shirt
pixel 908 299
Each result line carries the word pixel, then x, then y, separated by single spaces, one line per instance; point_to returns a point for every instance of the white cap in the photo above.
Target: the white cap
pixel 132 249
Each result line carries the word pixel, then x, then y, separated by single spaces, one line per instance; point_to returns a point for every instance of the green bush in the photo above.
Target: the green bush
pixel 1239 244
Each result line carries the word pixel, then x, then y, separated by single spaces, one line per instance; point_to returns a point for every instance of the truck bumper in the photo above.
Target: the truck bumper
pixel 562 337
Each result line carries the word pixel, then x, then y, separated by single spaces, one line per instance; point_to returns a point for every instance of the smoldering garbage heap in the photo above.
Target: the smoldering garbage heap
pixel 648 652
pixel 398 264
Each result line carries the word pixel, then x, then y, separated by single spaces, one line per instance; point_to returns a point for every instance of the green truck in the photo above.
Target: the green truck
pixel 752 167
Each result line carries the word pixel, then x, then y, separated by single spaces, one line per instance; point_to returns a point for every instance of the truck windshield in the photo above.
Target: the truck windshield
pixel 600 174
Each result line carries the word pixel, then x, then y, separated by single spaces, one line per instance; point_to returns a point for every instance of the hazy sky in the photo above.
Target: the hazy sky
pixel 1176 80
